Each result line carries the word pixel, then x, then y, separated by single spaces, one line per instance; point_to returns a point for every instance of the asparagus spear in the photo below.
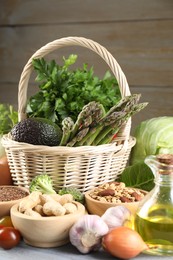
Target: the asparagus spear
pixel 111 122
pixel 103 127
pixel 92 114
pixel 90 136
pixel 106 135
pixel 113 114
pixel 91 111
pixel 125 103
pixel 67 125
pixel 94 127
pixel 116 118
pixel 128 105
pixel 78 137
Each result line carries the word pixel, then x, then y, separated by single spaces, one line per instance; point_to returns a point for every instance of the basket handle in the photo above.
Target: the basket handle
pixel 59 43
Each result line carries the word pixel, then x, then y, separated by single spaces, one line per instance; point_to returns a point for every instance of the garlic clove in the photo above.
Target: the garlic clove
pixel 116 216
pixel 89 239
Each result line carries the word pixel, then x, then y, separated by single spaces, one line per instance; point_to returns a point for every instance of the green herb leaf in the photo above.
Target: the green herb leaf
pixel 139 176
pixel 69 90
pixel 8 118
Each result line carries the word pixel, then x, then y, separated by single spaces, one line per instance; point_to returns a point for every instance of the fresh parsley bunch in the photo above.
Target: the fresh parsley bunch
pixel 63 92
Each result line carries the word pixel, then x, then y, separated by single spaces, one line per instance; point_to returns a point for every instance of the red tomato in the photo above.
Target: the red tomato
pixel 5 174
pixel 6 221
pixel 9 237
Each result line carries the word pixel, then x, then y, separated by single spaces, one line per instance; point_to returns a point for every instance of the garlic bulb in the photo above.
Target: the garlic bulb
pixel 116 216
pixel 87 232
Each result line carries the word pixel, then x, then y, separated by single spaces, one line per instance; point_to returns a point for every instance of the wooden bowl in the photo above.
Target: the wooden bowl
pixel 97 207
pixel 45 231
pixel 5 206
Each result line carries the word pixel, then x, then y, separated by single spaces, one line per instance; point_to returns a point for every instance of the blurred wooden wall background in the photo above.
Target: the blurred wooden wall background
pixel 139 34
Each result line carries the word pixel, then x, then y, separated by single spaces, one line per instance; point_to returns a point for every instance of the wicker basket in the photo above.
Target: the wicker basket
pixel 84 167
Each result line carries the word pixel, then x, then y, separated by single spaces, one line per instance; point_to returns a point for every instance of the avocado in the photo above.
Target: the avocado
pixel 37 131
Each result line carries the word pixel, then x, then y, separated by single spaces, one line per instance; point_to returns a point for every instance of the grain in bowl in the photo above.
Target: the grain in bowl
pixel 9 195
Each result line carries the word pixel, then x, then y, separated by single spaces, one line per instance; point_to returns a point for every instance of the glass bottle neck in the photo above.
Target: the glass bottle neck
pixel 164 179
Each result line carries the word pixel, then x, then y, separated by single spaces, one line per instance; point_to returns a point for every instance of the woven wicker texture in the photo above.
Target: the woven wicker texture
pixel 84 167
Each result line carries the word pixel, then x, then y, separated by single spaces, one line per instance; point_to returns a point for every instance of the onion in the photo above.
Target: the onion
pixel 123 242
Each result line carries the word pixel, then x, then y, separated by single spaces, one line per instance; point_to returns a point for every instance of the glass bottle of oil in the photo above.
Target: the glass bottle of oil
pixel 154 217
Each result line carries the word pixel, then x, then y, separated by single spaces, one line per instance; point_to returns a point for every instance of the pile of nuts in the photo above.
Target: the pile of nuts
pixel 42 205
pixel 116 192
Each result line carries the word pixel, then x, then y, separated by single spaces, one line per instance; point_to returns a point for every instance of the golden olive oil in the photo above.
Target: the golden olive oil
pixel 156 229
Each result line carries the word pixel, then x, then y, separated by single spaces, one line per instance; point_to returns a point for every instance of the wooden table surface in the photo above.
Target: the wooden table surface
pixel 139 34
pixel 66 252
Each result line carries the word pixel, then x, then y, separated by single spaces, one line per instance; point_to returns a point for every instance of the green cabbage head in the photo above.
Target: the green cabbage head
pixel 153 136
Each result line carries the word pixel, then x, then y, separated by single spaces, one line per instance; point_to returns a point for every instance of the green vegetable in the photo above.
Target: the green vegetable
pixel 153 136
pixel 102 132
pixel 77 195
pixel 90 113
pixel 138 176
pixel 8 118
pixel 42 183
pixel 78 137
pixel 37 131
pixel 67 126
pixel 64 92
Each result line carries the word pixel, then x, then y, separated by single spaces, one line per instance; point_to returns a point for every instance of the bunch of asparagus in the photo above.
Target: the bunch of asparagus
pixel 94 126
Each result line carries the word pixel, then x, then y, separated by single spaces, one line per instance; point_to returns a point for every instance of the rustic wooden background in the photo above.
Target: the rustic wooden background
pixel 139 34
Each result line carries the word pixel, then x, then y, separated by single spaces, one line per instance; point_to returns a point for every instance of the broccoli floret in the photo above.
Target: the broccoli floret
pixel 76 193
pixel 42 183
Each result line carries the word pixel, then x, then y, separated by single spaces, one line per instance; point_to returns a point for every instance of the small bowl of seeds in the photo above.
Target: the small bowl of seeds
pixel 10 195
pixel 111 194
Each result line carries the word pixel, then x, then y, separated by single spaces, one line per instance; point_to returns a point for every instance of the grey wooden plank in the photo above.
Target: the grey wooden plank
pixel 9 93
pixel 160 103
pixel 144 50
pixel 26 12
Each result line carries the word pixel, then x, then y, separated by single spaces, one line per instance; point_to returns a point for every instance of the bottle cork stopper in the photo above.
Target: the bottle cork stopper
pixel 165 158
pixel 166 163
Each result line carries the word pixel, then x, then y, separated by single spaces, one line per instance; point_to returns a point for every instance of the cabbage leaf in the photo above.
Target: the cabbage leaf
pixel 138 176
pixel 153 136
